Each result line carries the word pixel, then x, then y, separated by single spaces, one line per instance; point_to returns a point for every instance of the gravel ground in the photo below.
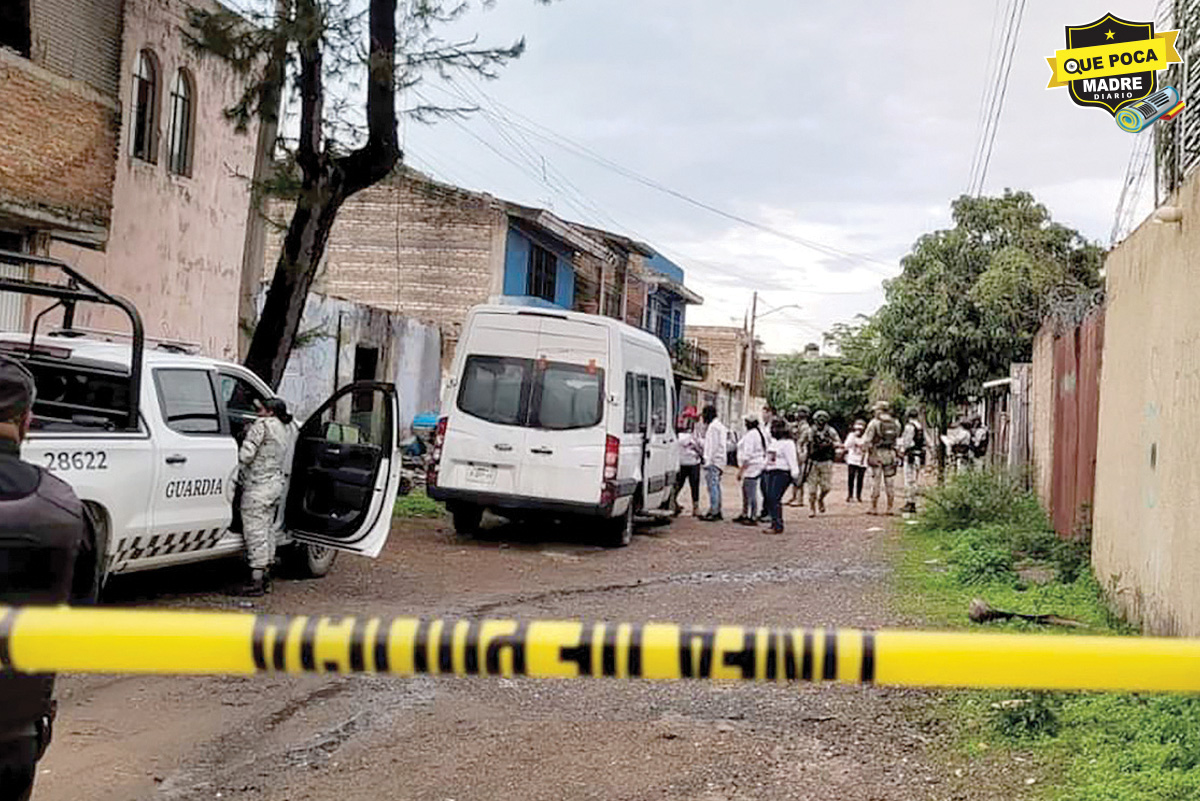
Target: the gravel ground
pixel 358 738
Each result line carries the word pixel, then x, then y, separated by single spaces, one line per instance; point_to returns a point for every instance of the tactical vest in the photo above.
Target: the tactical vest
pixel 40 535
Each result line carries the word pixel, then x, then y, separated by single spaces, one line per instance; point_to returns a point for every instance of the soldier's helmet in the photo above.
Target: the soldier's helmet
pixel 883 406
pixel 821 416
pixel 802 409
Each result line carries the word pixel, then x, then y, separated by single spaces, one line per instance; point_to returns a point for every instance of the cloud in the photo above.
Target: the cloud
pixel 853 124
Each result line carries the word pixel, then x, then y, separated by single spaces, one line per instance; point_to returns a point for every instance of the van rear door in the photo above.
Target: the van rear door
pixel 564 454
pixel 485 430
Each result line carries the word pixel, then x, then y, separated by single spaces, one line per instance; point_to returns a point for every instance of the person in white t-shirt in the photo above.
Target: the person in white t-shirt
pixel 781 469
pixel 691 452
pixel 856 461
pixel 751 453
pixel 715 457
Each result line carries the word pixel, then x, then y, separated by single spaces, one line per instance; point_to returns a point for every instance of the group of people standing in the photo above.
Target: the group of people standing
pixel 797 451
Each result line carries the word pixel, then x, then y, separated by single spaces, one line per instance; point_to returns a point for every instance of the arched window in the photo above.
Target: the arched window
pixel 143 143
pixel 179 157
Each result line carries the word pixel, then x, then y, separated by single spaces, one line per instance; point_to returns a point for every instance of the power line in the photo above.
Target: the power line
pixel 546 134
pixel 999 87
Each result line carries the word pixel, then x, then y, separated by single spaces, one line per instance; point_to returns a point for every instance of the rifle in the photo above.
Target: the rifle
pixel 804 470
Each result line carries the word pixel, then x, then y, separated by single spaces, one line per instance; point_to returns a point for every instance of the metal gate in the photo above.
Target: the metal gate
pixel 1076 423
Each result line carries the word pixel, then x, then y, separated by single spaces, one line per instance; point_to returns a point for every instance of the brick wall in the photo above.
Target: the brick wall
pixel 58 142
pixel 410 245
pixel 78 39
pixel 726 346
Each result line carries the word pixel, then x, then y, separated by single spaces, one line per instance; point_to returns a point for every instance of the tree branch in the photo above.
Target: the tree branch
pixel 312 90
pixel 375 159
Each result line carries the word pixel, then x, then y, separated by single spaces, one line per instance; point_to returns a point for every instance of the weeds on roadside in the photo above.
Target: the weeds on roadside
pixel 984 535
pixel 417 504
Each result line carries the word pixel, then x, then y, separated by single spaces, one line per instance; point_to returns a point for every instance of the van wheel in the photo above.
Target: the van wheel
pixel 302 560
pixel 466 519
pixel 619 531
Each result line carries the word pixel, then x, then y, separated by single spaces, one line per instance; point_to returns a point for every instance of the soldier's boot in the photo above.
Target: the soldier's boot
pixel 889 506
pixel 821 503
pixel 258 585
pixel 874 507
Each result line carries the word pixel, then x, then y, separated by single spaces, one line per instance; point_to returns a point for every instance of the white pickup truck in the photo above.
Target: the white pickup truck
pixel 148 436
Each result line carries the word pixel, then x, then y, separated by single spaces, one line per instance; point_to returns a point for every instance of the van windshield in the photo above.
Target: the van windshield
pixel 532 394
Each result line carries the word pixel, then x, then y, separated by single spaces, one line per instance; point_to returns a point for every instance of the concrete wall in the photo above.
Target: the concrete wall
pixel 175 243
pixel 58 146
pixel 1041 414
pixel 1146 545
pixel 409 356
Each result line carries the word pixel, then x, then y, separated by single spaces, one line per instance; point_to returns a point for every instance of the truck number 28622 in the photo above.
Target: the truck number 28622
pixel 76 460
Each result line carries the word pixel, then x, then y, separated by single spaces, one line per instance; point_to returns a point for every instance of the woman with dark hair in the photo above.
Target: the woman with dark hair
pixel 262 463
pixel 780 470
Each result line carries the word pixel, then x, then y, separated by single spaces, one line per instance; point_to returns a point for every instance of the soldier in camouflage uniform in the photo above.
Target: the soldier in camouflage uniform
pixel 881 436
pixel 262 465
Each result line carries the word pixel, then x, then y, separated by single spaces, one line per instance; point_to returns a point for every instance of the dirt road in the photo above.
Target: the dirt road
pixel 352 739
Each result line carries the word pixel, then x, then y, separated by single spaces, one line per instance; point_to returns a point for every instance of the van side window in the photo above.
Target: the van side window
pixel 658 405
pixel 496 389
pixel 637 398
pixel 631 408
pixel 568 396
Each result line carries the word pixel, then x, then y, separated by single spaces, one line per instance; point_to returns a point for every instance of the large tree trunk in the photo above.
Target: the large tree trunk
pixel 307 235
pixel 327 181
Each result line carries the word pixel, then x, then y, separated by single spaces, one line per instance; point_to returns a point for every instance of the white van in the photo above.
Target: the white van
pixel 555 414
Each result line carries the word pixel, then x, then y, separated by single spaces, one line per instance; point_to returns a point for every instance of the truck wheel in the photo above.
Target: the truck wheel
pixel 618 532
pixel 302 560
pixel 466 519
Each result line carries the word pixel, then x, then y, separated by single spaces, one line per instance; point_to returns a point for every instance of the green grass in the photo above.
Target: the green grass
pixel 973 538
pixel 418 504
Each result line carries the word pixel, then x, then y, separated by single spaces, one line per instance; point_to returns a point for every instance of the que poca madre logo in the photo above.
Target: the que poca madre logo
pixel 1113 64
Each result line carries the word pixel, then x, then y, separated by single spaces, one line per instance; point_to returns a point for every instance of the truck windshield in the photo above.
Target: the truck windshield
pixel 532 394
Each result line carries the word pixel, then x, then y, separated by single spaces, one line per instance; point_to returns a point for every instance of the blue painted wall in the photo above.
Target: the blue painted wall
pixel 516 268
pixel 664 266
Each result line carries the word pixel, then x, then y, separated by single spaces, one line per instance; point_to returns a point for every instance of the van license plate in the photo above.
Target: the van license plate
pixel 481 474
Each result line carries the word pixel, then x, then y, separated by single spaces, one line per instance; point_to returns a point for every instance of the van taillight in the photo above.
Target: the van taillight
pixel 612 453
pixel 435 456
pixel 608 487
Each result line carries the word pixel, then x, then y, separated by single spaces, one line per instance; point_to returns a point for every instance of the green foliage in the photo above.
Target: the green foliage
pixel 1094 746
pixel 417 504
pixel 983 555
pixel 1029 718
pixel 982 497
pixel 971 298
pixel 830 383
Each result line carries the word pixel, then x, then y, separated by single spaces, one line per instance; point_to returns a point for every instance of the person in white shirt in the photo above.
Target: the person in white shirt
pixel 691 451
pixel 781 469
pixel 751 453
pixel 715 457
pixel 856 461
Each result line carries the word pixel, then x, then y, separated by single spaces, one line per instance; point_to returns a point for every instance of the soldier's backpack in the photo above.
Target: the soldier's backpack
pixel 889 432
pixel 918 443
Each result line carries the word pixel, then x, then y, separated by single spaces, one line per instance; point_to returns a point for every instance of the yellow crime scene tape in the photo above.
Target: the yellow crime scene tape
pixel 61 639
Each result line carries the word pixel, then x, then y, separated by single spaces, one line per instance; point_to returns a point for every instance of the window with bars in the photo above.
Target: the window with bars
pixel 145 108
pixel 182 132
pixel 543 270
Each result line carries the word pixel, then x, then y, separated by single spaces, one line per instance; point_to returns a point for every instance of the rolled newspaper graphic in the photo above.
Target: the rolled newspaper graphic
pixel 1136 117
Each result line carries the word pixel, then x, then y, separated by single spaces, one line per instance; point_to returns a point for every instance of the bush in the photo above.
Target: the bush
pixel 1028 718
pixel 982 555
pixel 981 497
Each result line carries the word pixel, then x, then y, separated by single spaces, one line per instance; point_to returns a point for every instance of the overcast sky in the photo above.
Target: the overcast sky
pixel 852 124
